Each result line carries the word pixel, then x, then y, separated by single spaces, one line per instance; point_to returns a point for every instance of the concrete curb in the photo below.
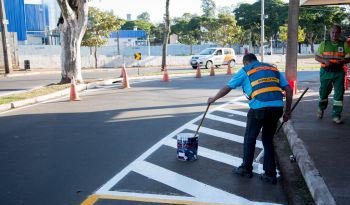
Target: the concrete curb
pixel 317 187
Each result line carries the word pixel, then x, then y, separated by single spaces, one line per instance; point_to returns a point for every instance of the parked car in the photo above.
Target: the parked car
pixel 213 57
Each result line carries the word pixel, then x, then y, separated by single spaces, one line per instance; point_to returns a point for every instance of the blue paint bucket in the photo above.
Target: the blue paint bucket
pixel 187 146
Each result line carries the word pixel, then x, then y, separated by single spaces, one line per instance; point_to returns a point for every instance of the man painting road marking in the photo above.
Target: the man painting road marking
pixel 197 190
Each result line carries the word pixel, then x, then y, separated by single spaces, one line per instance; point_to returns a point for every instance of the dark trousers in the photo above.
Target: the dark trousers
pixel 265 118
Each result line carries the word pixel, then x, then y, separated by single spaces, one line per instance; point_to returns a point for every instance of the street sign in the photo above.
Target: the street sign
pixel 137 56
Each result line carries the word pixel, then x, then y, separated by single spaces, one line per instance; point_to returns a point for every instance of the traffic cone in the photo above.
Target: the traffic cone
pixel 198 73
pixel 212 72
pixel 121 73
pixel 125 78
pixel 73 91
pixel 229 71
pixel 165 75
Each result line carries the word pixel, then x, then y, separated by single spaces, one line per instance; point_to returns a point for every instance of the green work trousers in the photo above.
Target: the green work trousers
pixel 329 80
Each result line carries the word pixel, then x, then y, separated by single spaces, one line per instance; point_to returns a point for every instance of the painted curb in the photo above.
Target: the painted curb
pixel 317 187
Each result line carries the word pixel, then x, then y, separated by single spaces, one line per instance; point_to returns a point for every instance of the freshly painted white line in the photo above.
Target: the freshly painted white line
pixel 224 135
pixel 235 112
pixel 244 104
pixel 226 120
pixel 216 156
pixel 108 185
pixel 190 186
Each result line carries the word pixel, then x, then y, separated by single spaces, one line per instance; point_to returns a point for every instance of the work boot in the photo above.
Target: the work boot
pixel 320 114
pixel 337 120
pixel 268 179
pixel 243 171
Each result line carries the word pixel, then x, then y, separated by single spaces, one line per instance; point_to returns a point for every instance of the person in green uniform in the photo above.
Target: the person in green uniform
pixel 333 54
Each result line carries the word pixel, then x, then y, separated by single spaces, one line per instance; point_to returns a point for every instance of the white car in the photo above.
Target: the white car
pixel 210 57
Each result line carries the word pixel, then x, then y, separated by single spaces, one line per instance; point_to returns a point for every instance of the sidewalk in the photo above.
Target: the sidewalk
pixel 321 147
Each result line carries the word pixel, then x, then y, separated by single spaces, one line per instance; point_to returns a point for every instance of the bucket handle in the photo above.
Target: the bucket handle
pixel 200 124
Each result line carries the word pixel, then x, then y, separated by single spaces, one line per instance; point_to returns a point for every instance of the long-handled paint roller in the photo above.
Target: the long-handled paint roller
pixel 200 124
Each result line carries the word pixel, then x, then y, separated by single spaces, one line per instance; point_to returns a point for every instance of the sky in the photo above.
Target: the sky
pixel 156 8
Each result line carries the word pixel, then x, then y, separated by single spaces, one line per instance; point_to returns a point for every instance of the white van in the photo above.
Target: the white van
pixel 214 57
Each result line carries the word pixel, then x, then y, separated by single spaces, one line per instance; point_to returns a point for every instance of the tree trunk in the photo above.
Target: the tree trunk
pixel 74 13
pixel 95 53
pixel 166 35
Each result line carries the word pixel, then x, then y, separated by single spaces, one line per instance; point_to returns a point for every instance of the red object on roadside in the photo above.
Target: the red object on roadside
pixel 293 85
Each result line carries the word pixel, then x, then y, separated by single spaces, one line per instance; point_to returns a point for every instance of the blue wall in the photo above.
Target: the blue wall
pixel 16 16
pixel 36 18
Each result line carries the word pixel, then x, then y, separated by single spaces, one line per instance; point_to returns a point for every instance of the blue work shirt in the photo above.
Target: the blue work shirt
pixel 241 79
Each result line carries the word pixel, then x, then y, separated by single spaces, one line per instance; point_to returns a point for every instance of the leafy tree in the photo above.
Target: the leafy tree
pixel 139 24
pixel 72 24
pixel 144 16
pixel 100 24
pixel 166 34
pixel 283 35
pixel 313 20
pixel 228 32
pixel 249 18
pixel 187 28
pixel 208 8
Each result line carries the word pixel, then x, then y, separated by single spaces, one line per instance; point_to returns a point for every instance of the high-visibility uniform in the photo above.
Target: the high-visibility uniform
pixel 332 75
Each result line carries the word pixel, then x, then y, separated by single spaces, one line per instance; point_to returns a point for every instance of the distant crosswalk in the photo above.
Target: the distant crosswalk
pixel 196 192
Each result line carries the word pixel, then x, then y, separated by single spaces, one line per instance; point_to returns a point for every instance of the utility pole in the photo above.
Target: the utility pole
pixel 262 30
pixel 8 67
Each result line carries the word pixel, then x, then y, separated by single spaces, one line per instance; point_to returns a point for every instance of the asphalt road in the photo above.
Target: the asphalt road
pixel 63 152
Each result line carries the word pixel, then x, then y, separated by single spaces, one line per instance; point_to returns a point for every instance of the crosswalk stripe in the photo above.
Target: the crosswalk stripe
pixel 216 156
pixel 223 135
pixel 226 120
pixel 188 185
pixel 235 112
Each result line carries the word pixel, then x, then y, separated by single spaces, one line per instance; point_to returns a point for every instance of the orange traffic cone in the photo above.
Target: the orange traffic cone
pixel 121 73
pixel 165 75
pixel 73 91
pixel 212 72
pixel 198 73
pixel 229 71
pixel 125 78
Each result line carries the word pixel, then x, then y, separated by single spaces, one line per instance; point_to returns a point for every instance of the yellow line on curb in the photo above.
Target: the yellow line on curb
pixel 91 200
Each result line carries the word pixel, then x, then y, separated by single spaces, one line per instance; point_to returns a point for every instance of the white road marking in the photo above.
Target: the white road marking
pixel 226 120
pixel 223 135
pixel 190 186
pixel 217 156
pixel 235 112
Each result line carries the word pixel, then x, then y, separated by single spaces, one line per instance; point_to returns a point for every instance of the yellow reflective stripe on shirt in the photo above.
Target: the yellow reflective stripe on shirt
pixel 254 70
pixel 264 90
pixel 265 80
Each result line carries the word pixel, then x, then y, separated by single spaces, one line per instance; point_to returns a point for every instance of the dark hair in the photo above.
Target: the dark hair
pixel 250 57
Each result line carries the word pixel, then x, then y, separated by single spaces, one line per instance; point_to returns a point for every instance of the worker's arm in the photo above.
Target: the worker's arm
pixel 222 92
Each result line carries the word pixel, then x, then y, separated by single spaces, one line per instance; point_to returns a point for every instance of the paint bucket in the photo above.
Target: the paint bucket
pixel 187 146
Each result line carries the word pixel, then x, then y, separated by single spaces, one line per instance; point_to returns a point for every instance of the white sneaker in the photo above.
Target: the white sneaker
pixel 337 120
